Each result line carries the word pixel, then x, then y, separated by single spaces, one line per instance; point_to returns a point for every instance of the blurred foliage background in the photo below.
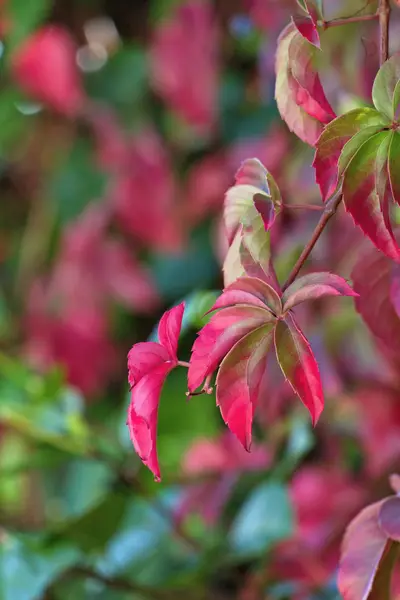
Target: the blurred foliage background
pixel 122 124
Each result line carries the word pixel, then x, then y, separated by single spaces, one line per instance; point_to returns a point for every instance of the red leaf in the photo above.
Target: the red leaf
pixel 143 415
pixel 372 279
pixel 45 68
pixel 143 358
pixel 389 518
pixel 185 62
pixel 299 366
pixel 169 329
pixel 362 550
pixel 238 382
pixel 313 286
pixel 214 341
pixel 395 288
pixel 308 30
pixel 299 94
pixel 250 290
pixel 362 186
pixel 332 140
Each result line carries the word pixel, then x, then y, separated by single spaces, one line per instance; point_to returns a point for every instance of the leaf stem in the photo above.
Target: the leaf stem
pixel 329 210
pixel 348 20
pixel 384 18
pixel 183 363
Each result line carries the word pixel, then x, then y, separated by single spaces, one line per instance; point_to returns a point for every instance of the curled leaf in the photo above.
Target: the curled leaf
pixel 298 91
pixel 313 286
pixel 238 381
pixel 299 366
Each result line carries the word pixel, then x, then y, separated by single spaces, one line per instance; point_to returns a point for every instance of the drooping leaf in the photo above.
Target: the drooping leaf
pixel 360 195
pixel 169 329
pixel 143 413
pixel 308 30
pixel 214 341
pixel 298 91
pixel 383 91
pixel 363 547
pixel 389 518
pixel 332 141
pixel 313 286
pixel 238 381
pixel 394 166
pixel 299 366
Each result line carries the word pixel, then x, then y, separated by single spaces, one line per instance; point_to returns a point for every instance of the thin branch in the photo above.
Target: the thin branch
pixel 328 213
pixel 346 21
pixel 384 17
pixel 315 207
pixel 183 363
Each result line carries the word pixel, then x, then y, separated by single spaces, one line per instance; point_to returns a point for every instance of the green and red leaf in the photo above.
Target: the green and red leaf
pixel 394 166
pixel 299 366
pixel 238 381
pixel 313 286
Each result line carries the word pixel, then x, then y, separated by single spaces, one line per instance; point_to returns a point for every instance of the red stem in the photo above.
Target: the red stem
pixel 329 211
pixel 346 21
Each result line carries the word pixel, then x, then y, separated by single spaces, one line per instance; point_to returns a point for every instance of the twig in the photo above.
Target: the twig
pixel 384 17
pixel 329 211
pixel 348 20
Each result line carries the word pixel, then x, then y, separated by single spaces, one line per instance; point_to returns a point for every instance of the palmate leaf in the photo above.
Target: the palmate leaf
pixel 298 91
pixel 365 187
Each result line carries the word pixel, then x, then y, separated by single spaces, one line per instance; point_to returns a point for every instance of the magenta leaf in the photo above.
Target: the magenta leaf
pixel 389 518
pixel 143 414
pixel 214 341
pixel 393 166
pixel 313 286
pixel 299 366
pixel 298 91
pixel 364 184
pixel 169 329
pixel 143 358
pixel 238 381
pixel 308 30
pixel 332 141
pixel 363 547
pixel 395 288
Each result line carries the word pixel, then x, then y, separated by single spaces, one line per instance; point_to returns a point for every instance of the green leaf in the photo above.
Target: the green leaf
pixel 265 519
pixel 28 567
pixel 383 92
pixel 77 183
pixel 25 17
pixel 394 166
pixel 91 531
pixel 353 145
pixel 396 100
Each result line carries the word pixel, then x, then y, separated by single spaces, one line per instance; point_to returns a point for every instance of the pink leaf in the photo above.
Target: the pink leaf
pixel 299 366
pixel 332 140
pixel 143 415
pixel 143 358
pixel 170 328
pixel 361 194
pixel 250 290
pixel 389 518
pixel 45 68
pixel 238 381
pixel 395 482
pixel 299 94
pixel 214 341
pixel 313 286
pixel 362 550
pixel 395 288
pixel 184 61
